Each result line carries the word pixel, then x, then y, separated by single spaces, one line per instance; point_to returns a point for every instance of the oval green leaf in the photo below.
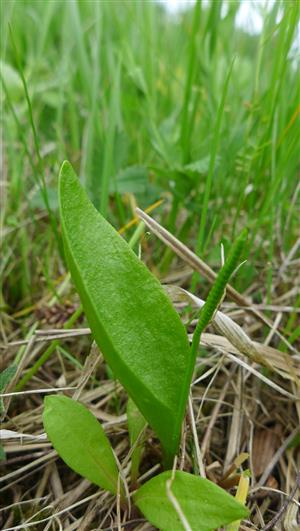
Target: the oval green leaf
pixel 132 319
pixel 80 441
pixel 187 502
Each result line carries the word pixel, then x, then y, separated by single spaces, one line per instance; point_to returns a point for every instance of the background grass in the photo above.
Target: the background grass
pixel 188 108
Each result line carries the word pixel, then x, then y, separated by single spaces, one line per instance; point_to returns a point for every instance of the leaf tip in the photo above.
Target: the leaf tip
pixel 54 400
pixel 66 172
pixel 66 166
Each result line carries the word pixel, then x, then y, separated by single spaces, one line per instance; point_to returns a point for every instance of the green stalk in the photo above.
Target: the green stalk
pixel 213 300
pixel 185 131
pixel 218 290
pixel 40 175
pixel 137 234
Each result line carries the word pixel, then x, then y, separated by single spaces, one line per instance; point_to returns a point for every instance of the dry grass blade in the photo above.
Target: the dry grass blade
pixel 19 370
pixel 43 520
pixel 277 456
pixel 237 341
pixel 33 464
pixel 42 336
pixel 261 377
pixel 190 258
pixel 195 436
pixel 91 362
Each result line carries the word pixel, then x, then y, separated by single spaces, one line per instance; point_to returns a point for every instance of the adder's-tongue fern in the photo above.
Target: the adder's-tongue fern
pixel 217 291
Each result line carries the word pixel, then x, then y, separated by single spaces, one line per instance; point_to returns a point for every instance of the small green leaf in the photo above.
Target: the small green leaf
pixel 133 322
pixel 136 421
pixel 80 441
pixel 133 179
pixel 2 453
pixel 5 377
pixel 200 504
pixel 198 167
pixel 136 424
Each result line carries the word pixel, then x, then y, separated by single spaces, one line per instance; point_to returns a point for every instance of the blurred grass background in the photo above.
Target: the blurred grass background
pixel 148 105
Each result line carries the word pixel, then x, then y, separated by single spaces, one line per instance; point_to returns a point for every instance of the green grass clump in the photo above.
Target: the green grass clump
pixel 186 107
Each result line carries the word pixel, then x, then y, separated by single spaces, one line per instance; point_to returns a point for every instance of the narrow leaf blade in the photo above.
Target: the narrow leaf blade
pixel 135 420
pixel 80 441
pixel 132 319
pixel 136 425
pixel 6 376
pixel 203 505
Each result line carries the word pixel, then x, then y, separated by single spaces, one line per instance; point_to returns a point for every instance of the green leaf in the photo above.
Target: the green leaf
pixel 80 441
pixel 136 421
pixel 136 424
pixel 133 179
pixel 2 453
pixel 199 503
pixel 198 167
pixel 5 377
pixel 132 319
